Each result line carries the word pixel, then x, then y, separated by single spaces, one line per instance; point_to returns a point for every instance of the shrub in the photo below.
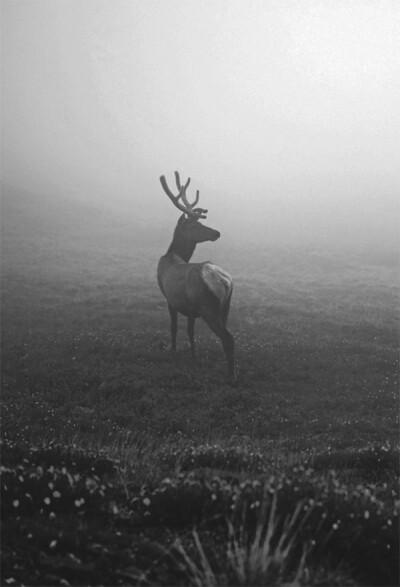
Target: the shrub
pixel 69 509
pixel 225 458
pixel 372 463
pixel 52 481
pixel 50 454
pixel 359 524
pixel 206 456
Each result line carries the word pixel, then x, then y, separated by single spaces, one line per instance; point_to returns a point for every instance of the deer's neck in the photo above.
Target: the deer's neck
pixel 182 248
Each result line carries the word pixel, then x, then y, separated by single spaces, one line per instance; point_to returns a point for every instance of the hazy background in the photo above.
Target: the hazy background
pixel 284 113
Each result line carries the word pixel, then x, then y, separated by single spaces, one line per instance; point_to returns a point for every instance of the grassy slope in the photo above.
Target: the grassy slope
pixel 316 337
pixel 85 354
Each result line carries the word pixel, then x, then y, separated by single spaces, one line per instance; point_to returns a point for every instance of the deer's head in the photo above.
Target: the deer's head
pixel 189 230
pixel 194 231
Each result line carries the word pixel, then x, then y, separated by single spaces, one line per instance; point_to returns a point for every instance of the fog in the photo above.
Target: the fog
pixel 284 114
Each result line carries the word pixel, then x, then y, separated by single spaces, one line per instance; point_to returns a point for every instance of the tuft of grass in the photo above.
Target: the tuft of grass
pixel 273 555
pixel 267 558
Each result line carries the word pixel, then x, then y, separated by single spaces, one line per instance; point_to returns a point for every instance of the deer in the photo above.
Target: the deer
pixel 195 290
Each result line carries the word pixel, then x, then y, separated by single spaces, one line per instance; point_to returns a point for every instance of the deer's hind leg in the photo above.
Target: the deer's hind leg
pixel 215 321
pixel 225 310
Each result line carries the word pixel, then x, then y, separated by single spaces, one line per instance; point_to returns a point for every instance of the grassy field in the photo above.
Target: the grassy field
pixel 317 352
pixel 87 374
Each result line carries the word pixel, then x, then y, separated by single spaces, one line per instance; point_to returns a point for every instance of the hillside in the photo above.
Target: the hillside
pixel 141 446
pixel 64 236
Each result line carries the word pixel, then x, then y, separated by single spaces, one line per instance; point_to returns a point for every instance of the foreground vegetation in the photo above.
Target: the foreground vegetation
pixel 122 464
pixel 73 518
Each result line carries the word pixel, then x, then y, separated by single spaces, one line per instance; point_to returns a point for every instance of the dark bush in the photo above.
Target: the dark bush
pixel 232 458
pixel 358 524
pixel 53 481
pixel 66 516
pixel 49 454
pixel 371 463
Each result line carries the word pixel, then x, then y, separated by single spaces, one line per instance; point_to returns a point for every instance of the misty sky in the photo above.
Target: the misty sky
pixel 261 102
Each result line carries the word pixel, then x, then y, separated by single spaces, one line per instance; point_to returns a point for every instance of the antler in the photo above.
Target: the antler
pixel 178 185
pixel 186 207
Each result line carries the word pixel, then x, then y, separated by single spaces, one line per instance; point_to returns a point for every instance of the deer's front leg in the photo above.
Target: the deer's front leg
pixel 190 331
pixel 174 326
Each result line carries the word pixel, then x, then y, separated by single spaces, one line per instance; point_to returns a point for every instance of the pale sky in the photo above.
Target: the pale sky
pixel 259 101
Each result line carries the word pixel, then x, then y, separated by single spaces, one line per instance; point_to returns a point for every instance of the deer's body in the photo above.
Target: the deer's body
pixel 186 286
pixel 195 289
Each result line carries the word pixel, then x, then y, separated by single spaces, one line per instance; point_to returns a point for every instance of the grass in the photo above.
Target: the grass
pixel 289 478
pixel 328 371
pixel 77 517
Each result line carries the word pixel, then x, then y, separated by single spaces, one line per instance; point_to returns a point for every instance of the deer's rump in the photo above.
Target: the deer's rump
pixel 189 286
pixel 218 281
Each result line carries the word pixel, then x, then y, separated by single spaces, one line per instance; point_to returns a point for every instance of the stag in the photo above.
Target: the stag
pixel 196 290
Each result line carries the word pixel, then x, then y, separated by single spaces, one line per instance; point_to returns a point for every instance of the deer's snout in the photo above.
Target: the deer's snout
pixel 216 235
